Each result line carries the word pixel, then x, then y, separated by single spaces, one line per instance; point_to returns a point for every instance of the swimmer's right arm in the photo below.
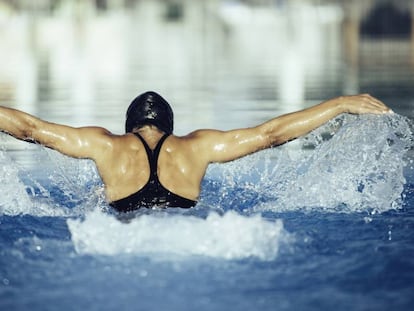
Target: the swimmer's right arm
pixel 86 142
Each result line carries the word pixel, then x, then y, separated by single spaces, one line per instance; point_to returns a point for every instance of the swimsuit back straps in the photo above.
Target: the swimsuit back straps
pixel 153 155
pixel 153 193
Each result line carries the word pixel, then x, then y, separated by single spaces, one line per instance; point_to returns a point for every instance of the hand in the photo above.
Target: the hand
pixel 362 104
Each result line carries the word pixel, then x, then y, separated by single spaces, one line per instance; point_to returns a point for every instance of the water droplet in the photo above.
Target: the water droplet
pixel 367 220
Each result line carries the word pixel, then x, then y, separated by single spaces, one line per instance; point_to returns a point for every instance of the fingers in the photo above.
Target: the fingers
pixel 373 105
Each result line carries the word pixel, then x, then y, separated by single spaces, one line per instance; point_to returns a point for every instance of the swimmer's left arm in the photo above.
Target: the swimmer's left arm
pixel 290 126
pixel 86 142
pixel 222 146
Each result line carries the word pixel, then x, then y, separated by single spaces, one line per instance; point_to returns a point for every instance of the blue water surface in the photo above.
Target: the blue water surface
pixel 247 245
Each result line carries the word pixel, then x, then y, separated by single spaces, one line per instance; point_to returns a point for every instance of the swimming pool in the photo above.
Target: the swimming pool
pixel 285 229
pixel 320 223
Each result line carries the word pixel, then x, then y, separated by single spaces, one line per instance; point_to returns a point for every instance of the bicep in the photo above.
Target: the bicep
pixel 224 146
pixel 83 142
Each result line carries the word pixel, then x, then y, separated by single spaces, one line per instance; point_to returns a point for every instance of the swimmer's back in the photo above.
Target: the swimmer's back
pixel 124 166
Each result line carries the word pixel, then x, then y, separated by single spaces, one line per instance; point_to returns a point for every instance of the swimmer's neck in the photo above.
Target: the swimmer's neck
pixel 150 133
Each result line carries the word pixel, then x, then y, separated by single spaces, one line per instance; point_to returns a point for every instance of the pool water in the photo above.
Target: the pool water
pixel 325 222
pixel 314 227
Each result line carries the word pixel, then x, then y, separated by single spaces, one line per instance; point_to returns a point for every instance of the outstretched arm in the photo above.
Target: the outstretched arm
pixel 220 146
pixel 293 125
pixel 86 142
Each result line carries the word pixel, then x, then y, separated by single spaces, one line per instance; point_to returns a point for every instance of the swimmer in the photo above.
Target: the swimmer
pixel 149 166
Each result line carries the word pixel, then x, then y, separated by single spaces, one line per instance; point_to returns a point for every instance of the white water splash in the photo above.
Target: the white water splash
pixel 14 198
pixel 230 236
pixel 354 163
pixel 29 188
pixel 360 167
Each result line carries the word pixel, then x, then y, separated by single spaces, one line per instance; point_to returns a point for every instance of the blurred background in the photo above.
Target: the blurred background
pixel 221 64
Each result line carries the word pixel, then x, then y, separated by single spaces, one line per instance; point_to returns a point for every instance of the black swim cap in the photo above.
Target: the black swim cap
pixel 150 108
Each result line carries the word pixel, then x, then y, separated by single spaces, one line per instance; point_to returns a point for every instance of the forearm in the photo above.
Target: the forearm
pixel 290 126
pixel 17 123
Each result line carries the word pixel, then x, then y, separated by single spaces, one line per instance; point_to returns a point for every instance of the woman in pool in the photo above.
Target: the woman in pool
pixel 149 166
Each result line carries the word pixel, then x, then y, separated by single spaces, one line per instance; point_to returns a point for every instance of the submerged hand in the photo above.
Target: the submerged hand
pixel 362 104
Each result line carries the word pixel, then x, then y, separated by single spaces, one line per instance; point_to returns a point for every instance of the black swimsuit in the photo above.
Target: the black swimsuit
pixel 153 194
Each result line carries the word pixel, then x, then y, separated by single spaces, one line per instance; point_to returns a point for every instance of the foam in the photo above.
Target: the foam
pixel 351 164
pixel 13 199
pixel 51 184
pixel 230 236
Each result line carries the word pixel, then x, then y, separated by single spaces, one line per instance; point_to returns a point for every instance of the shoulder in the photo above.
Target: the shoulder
pixel 201 135
pixel 96 136
pixel 212 136
pixel 113 147
pixel 194 138
pixel 95 130
pixel 198 144
pixel 224 146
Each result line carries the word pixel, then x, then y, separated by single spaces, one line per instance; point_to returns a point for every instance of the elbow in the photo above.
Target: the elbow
pixel 18 124
pixel 273 136
pixel 27 131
